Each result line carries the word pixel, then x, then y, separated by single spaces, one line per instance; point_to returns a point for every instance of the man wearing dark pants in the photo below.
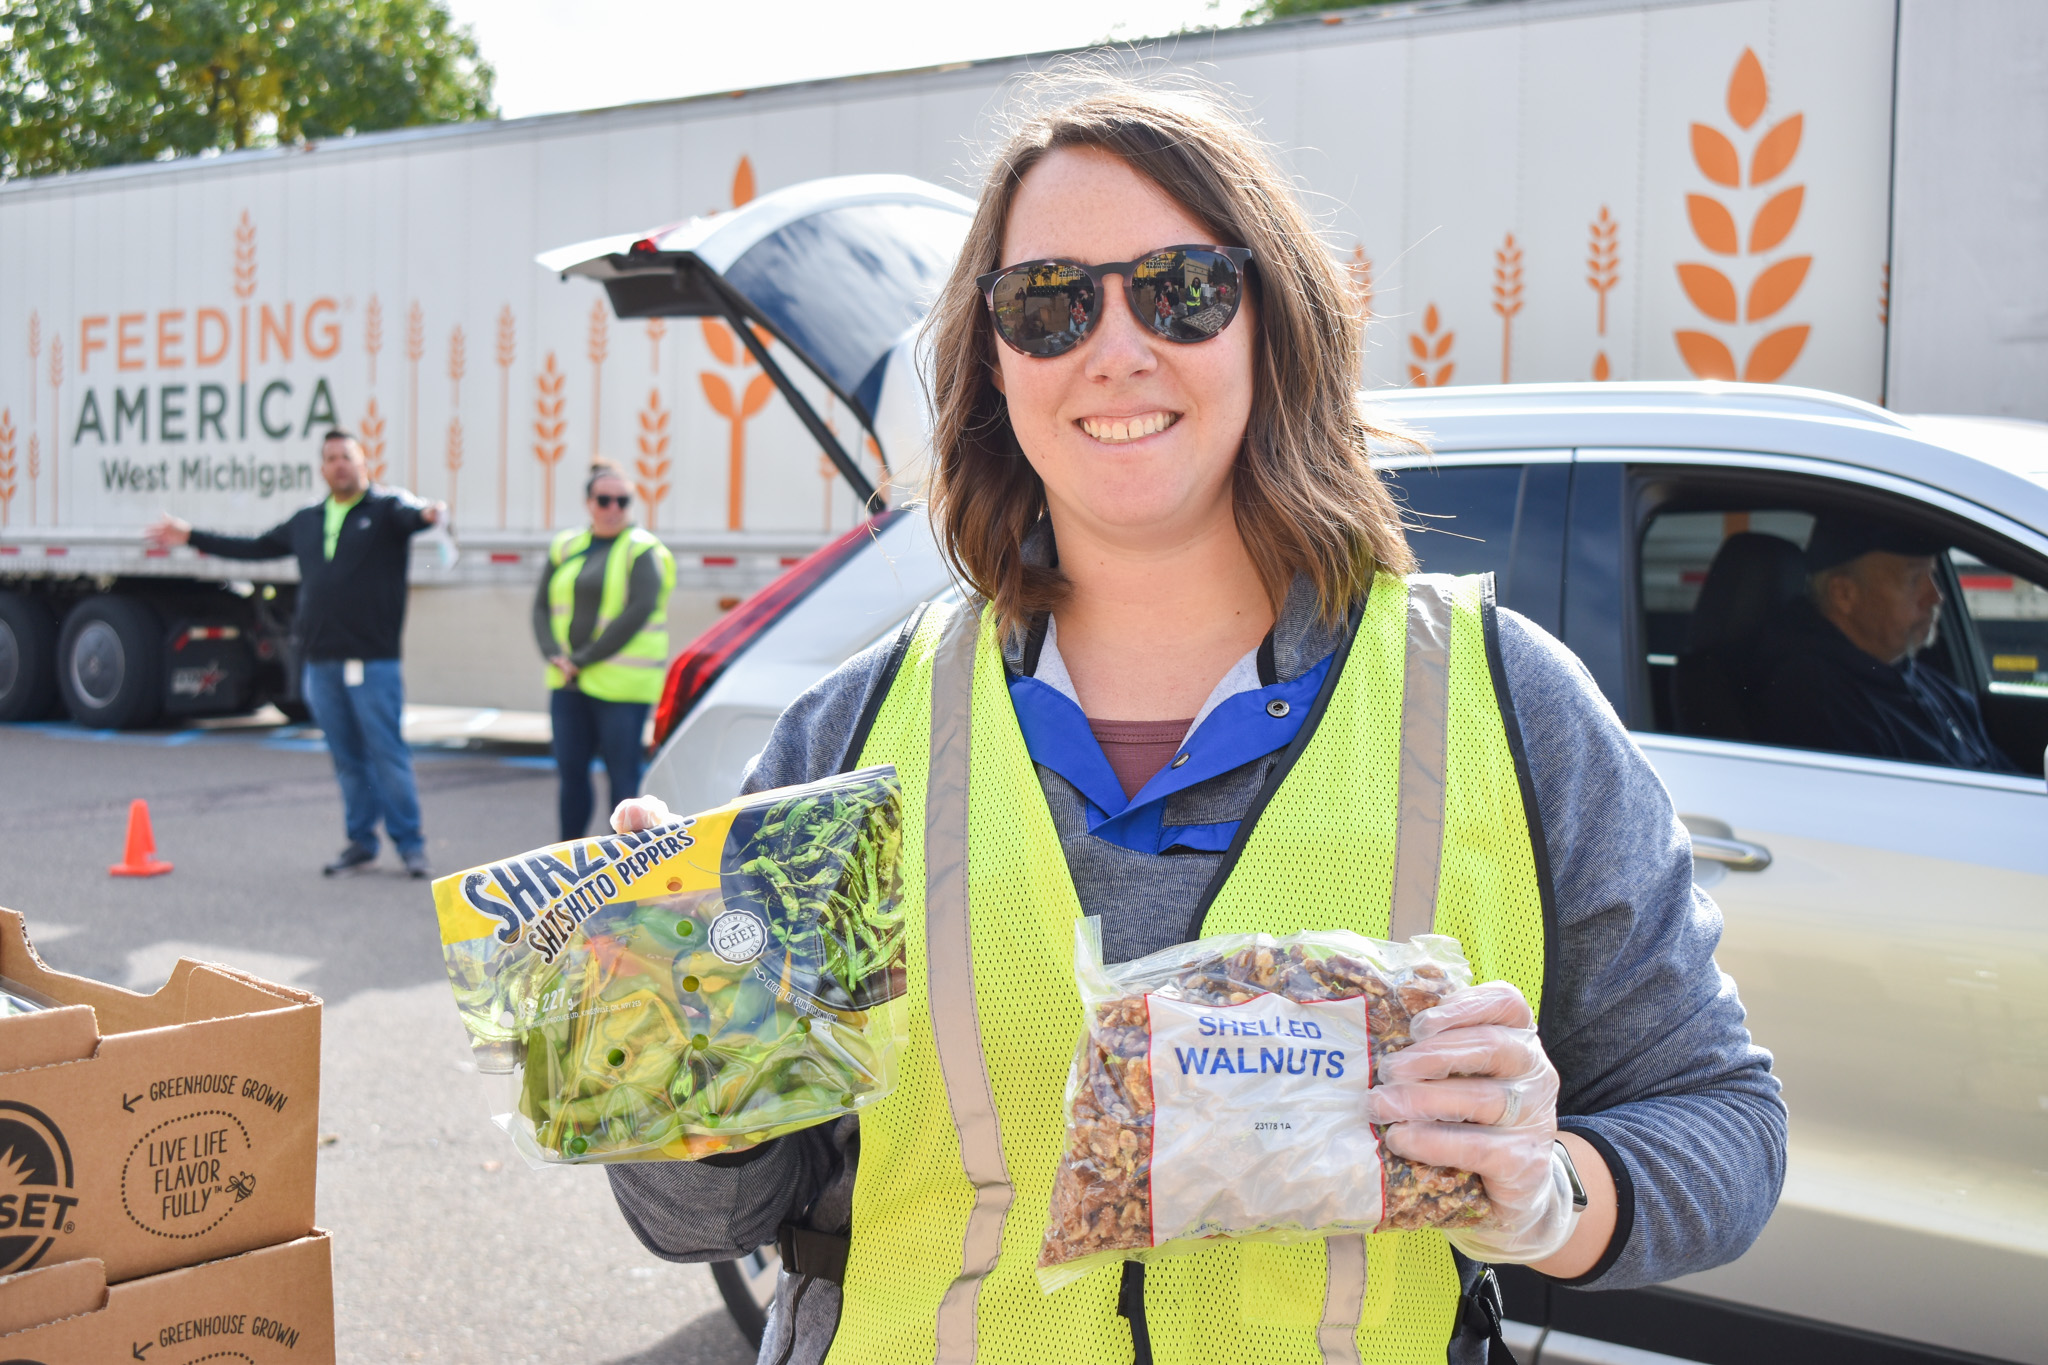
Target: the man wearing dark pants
pixel 353 549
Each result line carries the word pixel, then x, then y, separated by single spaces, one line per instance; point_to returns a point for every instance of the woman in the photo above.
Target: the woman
pixel 600 617
pixel 1194 696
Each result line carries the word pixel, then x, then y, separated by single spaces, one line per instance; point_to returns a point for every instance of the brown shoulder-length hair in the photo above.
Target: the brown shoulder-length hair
pixel 1304 494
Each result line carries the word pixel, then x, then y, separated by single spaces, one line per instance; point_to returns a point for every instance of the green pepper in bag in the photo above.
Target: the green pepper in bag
pixel 699 987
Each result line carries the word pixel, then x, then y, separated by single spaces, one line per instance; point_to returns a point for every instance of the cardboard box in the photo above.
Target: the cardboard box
pixel 268 1307
pixel 153 1131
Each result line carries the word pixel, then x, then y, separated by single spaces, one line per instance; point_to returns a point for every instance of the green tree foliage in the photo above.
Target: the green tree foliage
pixel 99 82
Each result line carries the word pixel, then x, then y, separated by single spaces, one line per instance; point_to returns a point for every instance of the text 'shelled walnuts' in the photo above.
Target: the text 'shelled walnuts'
pixel 1100 1197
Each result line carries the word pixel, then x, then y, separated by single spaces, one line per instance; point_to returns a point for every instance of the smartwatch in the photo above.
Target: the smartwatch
pixel 1571 1173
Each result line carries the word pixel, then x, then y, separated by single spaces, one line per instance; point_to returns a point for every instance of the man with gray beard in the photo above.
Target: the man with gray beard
pixel 1842 675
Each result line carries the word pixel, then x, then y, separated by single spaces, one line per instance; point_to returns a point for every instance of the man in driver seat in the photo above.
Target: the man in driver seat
pixel 1841 673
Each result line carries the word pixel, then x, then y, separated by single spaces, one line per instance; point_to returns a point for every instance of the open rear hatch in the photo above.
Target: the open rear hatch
pixel 837 270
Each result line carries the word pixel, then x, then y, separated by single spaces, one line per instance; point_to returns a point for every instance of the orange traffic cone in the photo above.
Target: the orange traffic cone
pixel 140 860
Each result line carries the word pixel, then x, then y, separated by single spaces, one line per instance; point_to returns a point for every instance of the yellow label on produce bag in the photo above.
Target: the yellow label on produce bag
pixel 541 897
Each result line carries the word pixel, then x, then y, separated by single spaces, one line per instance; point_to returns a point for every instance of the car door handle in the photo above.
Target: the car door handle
pixel 1715 842
pixel 1737 855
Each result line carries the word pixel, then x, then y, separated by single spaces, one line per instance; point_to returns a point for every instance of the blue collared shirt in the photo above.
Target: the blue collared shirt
pixel 1246 717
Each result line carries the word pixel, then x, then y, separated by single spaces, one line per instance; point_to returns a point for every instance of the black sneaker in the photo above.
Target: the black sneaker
pixel 354 858
pixel 416 865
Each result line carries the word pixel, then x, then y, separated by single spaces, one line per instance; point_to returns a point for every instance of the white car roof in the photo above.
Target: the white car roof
pixel 1998 464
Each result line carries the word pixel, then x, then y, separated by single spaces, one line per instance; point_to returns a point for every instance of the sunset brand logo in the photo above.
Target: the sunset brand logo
pixel 35 1184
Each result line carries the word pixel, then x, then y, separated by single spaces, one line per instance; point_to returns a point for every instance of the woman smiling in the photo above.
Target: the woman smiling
pixel 1196 689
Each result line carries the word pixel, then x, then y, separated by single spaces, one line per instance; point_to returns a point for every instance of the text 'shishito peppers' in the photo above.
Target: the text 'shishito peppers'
pixel 699 987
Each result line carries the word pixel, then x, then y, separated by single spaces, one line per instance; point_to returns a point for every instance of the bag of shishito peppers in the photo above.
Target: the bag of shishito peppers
pixel 695 988
pixel 1218 1092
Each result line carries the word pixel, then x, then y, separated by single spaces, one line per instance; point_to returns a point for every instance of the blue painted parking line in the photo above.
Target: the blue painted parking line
pixel 292 739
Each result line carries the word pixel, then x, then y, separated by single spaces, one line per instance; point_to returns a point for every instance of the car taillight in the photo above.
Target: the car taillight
pixel 706 658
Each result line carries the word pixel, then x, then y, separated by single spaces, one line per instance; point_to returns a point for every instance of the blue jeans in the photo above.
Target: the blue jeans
pixel 370 758
pixel 586 728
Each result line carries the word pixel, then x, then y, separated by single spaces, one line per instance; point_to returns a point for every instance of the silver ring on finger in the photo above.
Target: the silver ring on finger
pixel 1511 1109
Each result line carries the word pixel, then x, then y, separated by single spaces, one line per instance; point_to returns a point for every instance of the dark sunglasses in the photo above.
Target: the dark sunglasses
pixel 1182 293
pixel 619 500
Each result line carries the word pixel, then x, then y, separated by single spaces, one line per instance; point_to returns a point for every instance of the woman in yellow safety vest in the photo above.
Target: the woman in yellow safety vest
pixel 1196 688
pixel 600 618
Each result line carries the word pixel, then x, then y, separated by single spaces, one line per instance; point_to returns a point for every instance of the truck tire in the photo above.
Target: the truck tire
pixel 110 663
pixel 28 658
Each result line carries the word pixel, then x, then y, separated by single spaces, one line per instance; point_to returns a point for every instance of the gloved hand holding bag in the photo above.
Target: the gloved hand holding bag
pixel 1475 1091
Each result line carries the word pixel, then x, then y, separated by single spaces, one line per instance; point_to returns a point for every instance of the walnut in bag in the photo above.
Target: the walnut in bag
pixel 1218 1092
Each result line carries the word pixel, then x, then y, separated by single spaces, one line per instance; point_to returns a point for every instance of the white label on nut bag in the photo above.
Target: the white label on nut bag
pixel 738 937
pixel 1259 1118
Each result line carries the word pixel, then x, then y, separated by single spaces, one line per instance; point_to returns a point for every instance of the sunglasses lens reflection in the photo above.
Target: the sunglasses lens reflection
pixel 1045 309
pixel 1185 295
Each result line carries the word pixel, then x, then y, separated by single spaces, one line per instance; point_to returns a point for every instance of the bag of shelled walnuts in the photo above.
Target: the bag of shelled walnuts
pixel 1219 1092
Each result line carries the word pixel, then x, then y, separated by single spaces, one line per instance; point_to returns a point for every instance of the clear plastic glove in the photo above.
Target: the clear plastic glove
pixel 640 812
pixel 1476 1092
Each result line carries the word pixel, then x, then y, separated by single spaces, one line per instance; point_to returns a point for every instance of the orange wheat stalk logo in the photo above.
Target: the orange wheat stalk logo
pixel 548 426
pixel 654 462
pixel 245 257
pixel 1507 297
pixel 599 347
pixel 458 366
pixel 454 462
pixel 1603 272
pixel 35 354
pixel 656 330
pixel 373 335
pixel 1360 270
pixel 56 432
pixel 507 352
pixel 742 182
pixel 372 431
pixel 1428 347
pixel 6 465
pixel 1711 291
pixel 415 347
pixel 1884 294
pixel 719 394
pixel 245 283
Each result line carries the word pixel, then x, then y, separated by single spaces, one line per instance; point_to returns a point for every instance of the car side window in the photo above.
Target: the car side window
pixel 2009 615
pixel 2005 616
pixel 1461 519
pixel 1807 623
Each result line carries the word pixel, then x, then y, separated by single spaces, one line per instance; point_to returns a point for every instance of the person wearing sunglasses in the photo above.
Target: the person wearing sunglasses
pixel 1197 688
pixel 600 618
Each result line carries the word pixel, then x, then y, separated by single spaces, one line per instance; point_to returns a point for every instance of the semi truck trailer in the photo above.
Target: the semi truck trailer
pixel 1840 194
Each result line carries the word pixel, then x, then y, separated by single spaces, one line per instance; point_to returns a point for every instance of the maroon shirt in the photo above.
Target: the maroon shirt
pixel 1138 749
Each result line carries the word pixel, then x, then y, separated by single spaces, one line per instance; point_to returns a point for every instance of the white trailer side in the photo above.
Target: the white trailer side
pixel 1556 189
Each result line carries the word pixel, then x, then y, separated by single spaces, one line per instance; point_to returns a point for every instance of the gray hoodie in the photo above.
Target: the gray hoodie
pixel 1657 1071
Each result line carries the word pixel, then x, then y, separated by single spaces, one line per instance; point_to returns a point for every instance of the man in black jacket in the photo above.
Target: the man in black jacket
pixel 353 548
pixel 1839 669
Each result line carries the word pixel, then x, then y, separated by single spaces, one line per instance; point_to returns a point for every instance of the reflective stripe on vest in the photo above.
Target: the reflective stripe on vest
pixel 952 1190
pixel 949 957
pixel 637 671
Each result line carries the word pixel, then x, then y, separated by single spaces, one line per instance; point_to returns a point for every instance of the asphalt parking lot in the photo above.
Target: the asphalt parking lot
pixel 447 1247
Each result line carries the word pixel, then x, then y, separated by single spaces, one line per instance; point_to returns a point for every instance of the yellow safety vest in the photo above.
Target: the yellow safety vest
pixel 1404 809
pixel 636 672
